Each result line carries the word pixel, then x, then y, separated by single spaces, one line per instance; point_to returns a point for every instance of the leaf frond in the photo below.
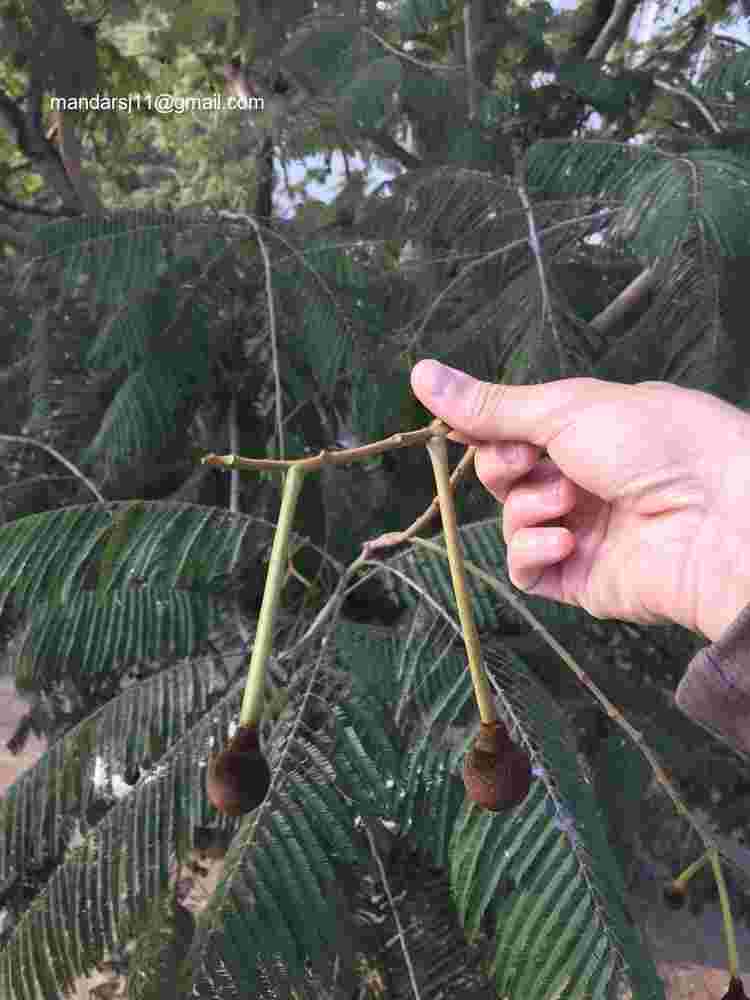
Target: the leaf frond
pixel 102 892
pixel 53 555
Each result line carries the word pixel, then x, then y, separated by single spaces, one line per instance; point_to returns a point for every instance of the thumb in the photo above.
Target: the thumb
pixel 483 411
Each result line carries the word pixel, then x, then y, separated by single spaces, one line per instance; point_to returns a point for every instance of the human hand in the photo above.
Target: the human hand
pixel 641 510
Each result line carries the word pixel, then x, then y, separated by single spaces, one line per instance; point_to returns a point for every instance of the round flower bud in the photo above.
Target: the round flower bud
pixel 239 776
pixel 675 895
pixel 497 773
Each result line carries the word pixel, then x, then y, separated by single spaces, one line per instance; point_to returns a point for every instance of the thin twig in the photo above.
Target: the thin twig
pixel 485 258
pixel 327 610
pixel 294 252
pixel 536 250
pixel 234 444
pixel 391 538
pixel 17 439
pixel 729 40
pixel 691 99
pixel 472 19
pixel 272 328
pixel 394 910
pixel 342 456
pixel 431 67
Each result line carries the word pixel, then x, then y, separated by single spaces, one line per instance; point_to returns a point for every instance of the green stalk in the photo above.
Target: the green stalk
pixel 439 457
pixel 252 702
pixel 726 914
pixel 684 877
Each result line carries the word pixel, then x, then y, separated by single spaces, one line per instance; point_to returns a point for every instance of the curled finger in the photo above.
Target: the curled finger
pixel 532 551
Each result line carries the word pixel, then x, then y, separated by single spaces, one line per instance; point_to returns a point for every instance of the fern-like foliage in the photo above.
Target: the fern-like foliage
pixel 88 641
pixel 480 217
pixel 166 939
pixel 383 769
pixel 142 268
pixel 321 54
pixel 160 334
pixel 334 780
pixel 483 546
pixel 724 82
pixel 103 890
pixel 121 253
pixel 371 740
pixel 609 93
pixel 377 723
pixel 419 15
pixel 142 416
pixel 560 821
pixel 368 102
pixel 108 547
pixel 320 347
pixel 565 925
pixel 665 197
pixel 277 894
pixel 693 354
pixel 334 327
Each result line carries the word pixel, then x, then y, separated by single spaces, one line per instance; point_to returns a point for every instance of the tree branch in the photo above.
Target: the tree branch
pixel 27 131
pixel 691 99
pixel 16 206
pixel 10 235
pixel 621 13
pixel 628 297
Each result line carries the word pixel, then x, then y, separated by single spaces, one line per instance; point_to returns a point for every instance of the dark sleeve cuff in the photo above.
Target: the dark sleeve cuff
pixel 715 689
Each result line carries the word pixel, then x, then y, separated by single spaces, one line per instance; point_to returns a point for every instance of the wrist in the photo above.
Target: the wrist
pixel 719 571
pixel 726 598
pixel 715 689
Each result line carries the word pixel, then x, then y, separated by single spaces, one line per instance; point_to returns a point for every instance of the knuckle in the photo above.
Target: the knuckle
pixel 483 403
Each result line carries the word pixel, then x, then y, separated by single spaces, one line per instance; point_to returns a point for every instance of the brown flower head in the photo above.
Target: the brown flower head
pixel 497 773
pixel 238 777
